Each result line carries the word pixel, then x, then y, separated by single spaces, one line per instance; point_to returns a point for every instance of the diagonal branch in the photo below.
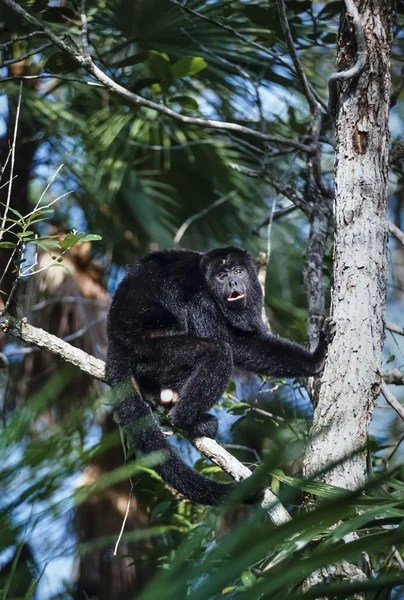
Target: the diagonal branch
pixel 313 103
pixel 361 57
pixel 392 400
pixel 96 367
pixel 284 190
pixel 86 62
pixel 394 377
pixel 398 234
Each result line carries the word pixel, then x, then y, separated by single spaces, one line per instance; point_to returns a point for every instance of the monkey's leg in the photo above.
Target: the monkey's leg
pixel 197 370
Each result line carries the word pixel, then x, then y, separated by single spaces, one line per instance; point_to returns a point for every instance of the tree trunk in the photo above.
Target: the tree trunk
pixel 350 383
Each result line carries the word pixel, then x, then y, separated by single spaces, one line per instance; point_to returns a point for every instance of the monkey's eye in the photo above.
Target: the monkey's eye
pixel 238 271
pixel 221 276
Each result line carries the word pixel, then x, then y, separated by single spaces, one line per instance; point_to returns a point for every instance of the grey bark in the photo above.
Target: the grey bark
pixel 351 382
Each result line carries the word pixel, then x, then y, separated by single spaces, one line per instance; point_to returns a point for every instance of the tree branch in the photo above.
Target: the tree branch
pixel 361 58
pixel 394 377
pixel 96 368
pixel 12 61
pixel 87 63
pixel 286 191
pixel 392 400
pixel 394 328
pixel 313 103
pixel 398 234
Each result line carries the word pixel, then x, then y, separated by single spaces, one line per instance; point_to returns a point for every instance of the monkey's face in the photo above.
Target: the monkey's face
pixel 228 279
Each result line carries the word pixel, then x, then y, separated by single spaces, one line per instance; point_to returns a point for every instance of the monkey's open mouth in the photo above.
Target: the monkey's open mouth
pixel 235 295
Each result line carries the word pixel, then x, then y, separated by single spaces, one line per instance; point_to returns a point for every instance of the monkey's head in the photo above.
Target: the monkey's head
pixel 231 277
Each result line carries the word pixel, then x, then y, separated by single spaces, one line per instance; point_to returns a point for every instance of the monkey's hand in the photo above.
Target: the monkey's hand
pixel 328 331
pixel 326 336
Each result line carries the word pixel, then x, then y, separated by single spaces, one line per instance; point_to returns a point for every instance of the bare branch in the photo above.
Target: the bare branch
pixel 398 234
pixel 87 63
pixel 10 185
pixel 202 213
pixel 12 61
pixel 96 368
pixel 394 327
pixel 21 38
pixel 84 28
pixel 392 400
pixel 394 377
pixel 50 76
pixel 313 103
pixel 234 32
pixel 286 191
pixel 282 212
pixel 361 57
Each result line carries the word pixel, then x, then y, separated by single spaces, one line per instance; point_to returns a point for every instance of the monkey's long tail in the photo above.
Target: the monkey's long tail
pixel 135 417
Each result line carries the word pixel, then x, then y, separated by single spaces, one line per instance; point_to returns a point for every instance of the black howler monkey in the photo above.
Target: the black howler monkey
pixel 179 322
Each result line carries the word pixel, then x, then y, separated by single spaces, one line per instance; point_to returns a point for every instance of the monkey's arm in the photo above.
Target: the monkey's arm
pixel 271 355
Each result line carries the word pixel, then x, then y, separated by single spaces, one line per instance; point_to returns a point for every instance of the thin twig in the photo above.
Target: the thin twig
pixel 238 35
pixel 84 28
pixel 130 496
pixel 282 212
pixel 286 191
pixel 21 38
pixel 42 208
pixel 361 58
pixel 313 103
pixel 202 213
pixel 398 234
pixel 12 61
pixel 87 63
pixel 50 181
pixel 80 332
pixel 392 400
pixel 67 300
pixel 17 116
pixel 10 151
pixel 49 76
pixel 394 327
pixel 8 265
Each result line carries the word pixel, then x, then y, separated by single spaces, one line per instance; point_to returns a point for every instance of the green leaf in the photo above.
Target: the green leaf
pixel 25 234
pixel 6 587
pixel 186 102
pixel 248 579
pixel 13 210
pixel 70 240
pixel 91 237
pixel 239 408
pixel 7 245
pixel 159 510
pixel 34 584
pixel 390 359
pixel 188 66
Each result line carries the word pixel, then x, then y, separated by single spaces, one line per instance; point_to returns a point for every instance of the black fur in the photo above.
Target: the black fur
pixel 181 320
